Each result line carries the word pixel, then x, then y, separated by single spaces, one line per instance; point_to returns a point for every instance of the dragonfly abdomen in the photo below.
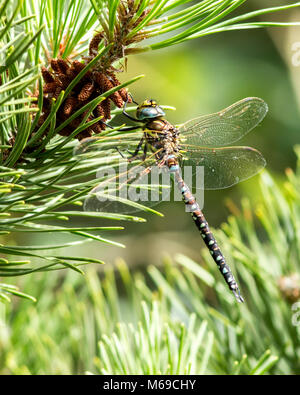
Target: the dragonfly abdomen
pixel 203 227
pixel 216 253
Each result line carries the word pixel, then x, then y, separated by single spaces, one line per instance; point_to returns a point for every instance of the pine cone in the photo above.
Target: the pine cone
pixel 86 91
pixel 98 127
pixel 64 80
pixel 105 104
pixel 55 66
pixel 47 76
pixel 50 87
pixel 78 66
pixel 117 99
pixel 63 66
pixel 99 110
pixel 94 44
pixel 69 106
pixel 57 92
pixel 105 84
pixel 122 92
pixel 93 83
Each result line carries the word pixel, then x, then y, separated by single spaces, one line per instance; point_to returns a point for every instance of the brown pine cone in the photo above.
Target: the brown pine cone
pixel 86 91
pixel 69 105
pixel 47 76
pixel 66 131
pixel 122 92
pixel 71 73
pixel 55 66
pixel 99 110
pixel 50 87
pixel 104 83
pixel 78 66
pixel 57 92
pixel 63 65
pixel 94 44
pixel 105 104
pixel 98 127
pixel 64 80
pixel 117 99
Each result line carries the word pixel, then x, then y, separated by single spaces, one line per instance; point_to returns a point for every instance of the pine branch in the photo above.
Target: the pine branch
pixel 127 24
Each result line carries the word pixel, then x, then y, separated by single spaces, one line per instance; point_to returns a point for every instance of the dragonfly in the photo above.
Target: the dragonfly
pixel 203 141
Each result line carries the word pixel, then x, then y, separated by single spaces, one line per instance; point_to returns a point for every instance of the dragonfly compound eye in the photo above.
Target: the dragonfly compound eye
pixel 149 112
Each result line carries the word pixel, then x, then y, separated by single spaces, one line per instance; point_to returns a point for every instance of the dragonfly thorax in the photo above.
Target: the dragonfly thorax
pixel 161 135
pixel 158 132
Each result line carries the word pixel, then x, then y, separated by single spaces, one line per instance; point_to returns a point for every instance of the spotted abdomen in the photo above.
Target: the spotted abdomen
pixel 203 227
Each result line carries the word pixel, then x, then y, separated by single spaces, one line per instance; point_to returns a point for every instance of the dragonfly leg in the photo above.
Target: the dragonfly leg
pixel 120 130
pixel 141 158
pixel 129 116
pixel 145 152
pixel 131 97
pixel 134 155
pixel 127 129
pixel 120 152
pixel 106 124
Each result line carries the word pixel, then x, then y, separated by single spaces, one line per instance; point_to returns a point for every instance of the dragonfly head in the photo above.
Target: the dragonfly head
pixel 149 109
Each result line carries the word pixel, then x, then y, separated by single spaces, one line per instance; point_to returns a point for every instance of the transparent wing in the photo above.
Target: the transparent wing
pixel 224 167
pixel 224 127
pixel 99 145
pixel 122 185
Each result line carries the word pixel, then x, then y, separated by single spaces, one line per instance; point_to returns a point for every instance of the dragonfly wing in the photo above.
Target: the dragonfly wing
pixel 128 191
pixel 224 127
pixel 99 145
pixel 123 185
pixel 224 167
